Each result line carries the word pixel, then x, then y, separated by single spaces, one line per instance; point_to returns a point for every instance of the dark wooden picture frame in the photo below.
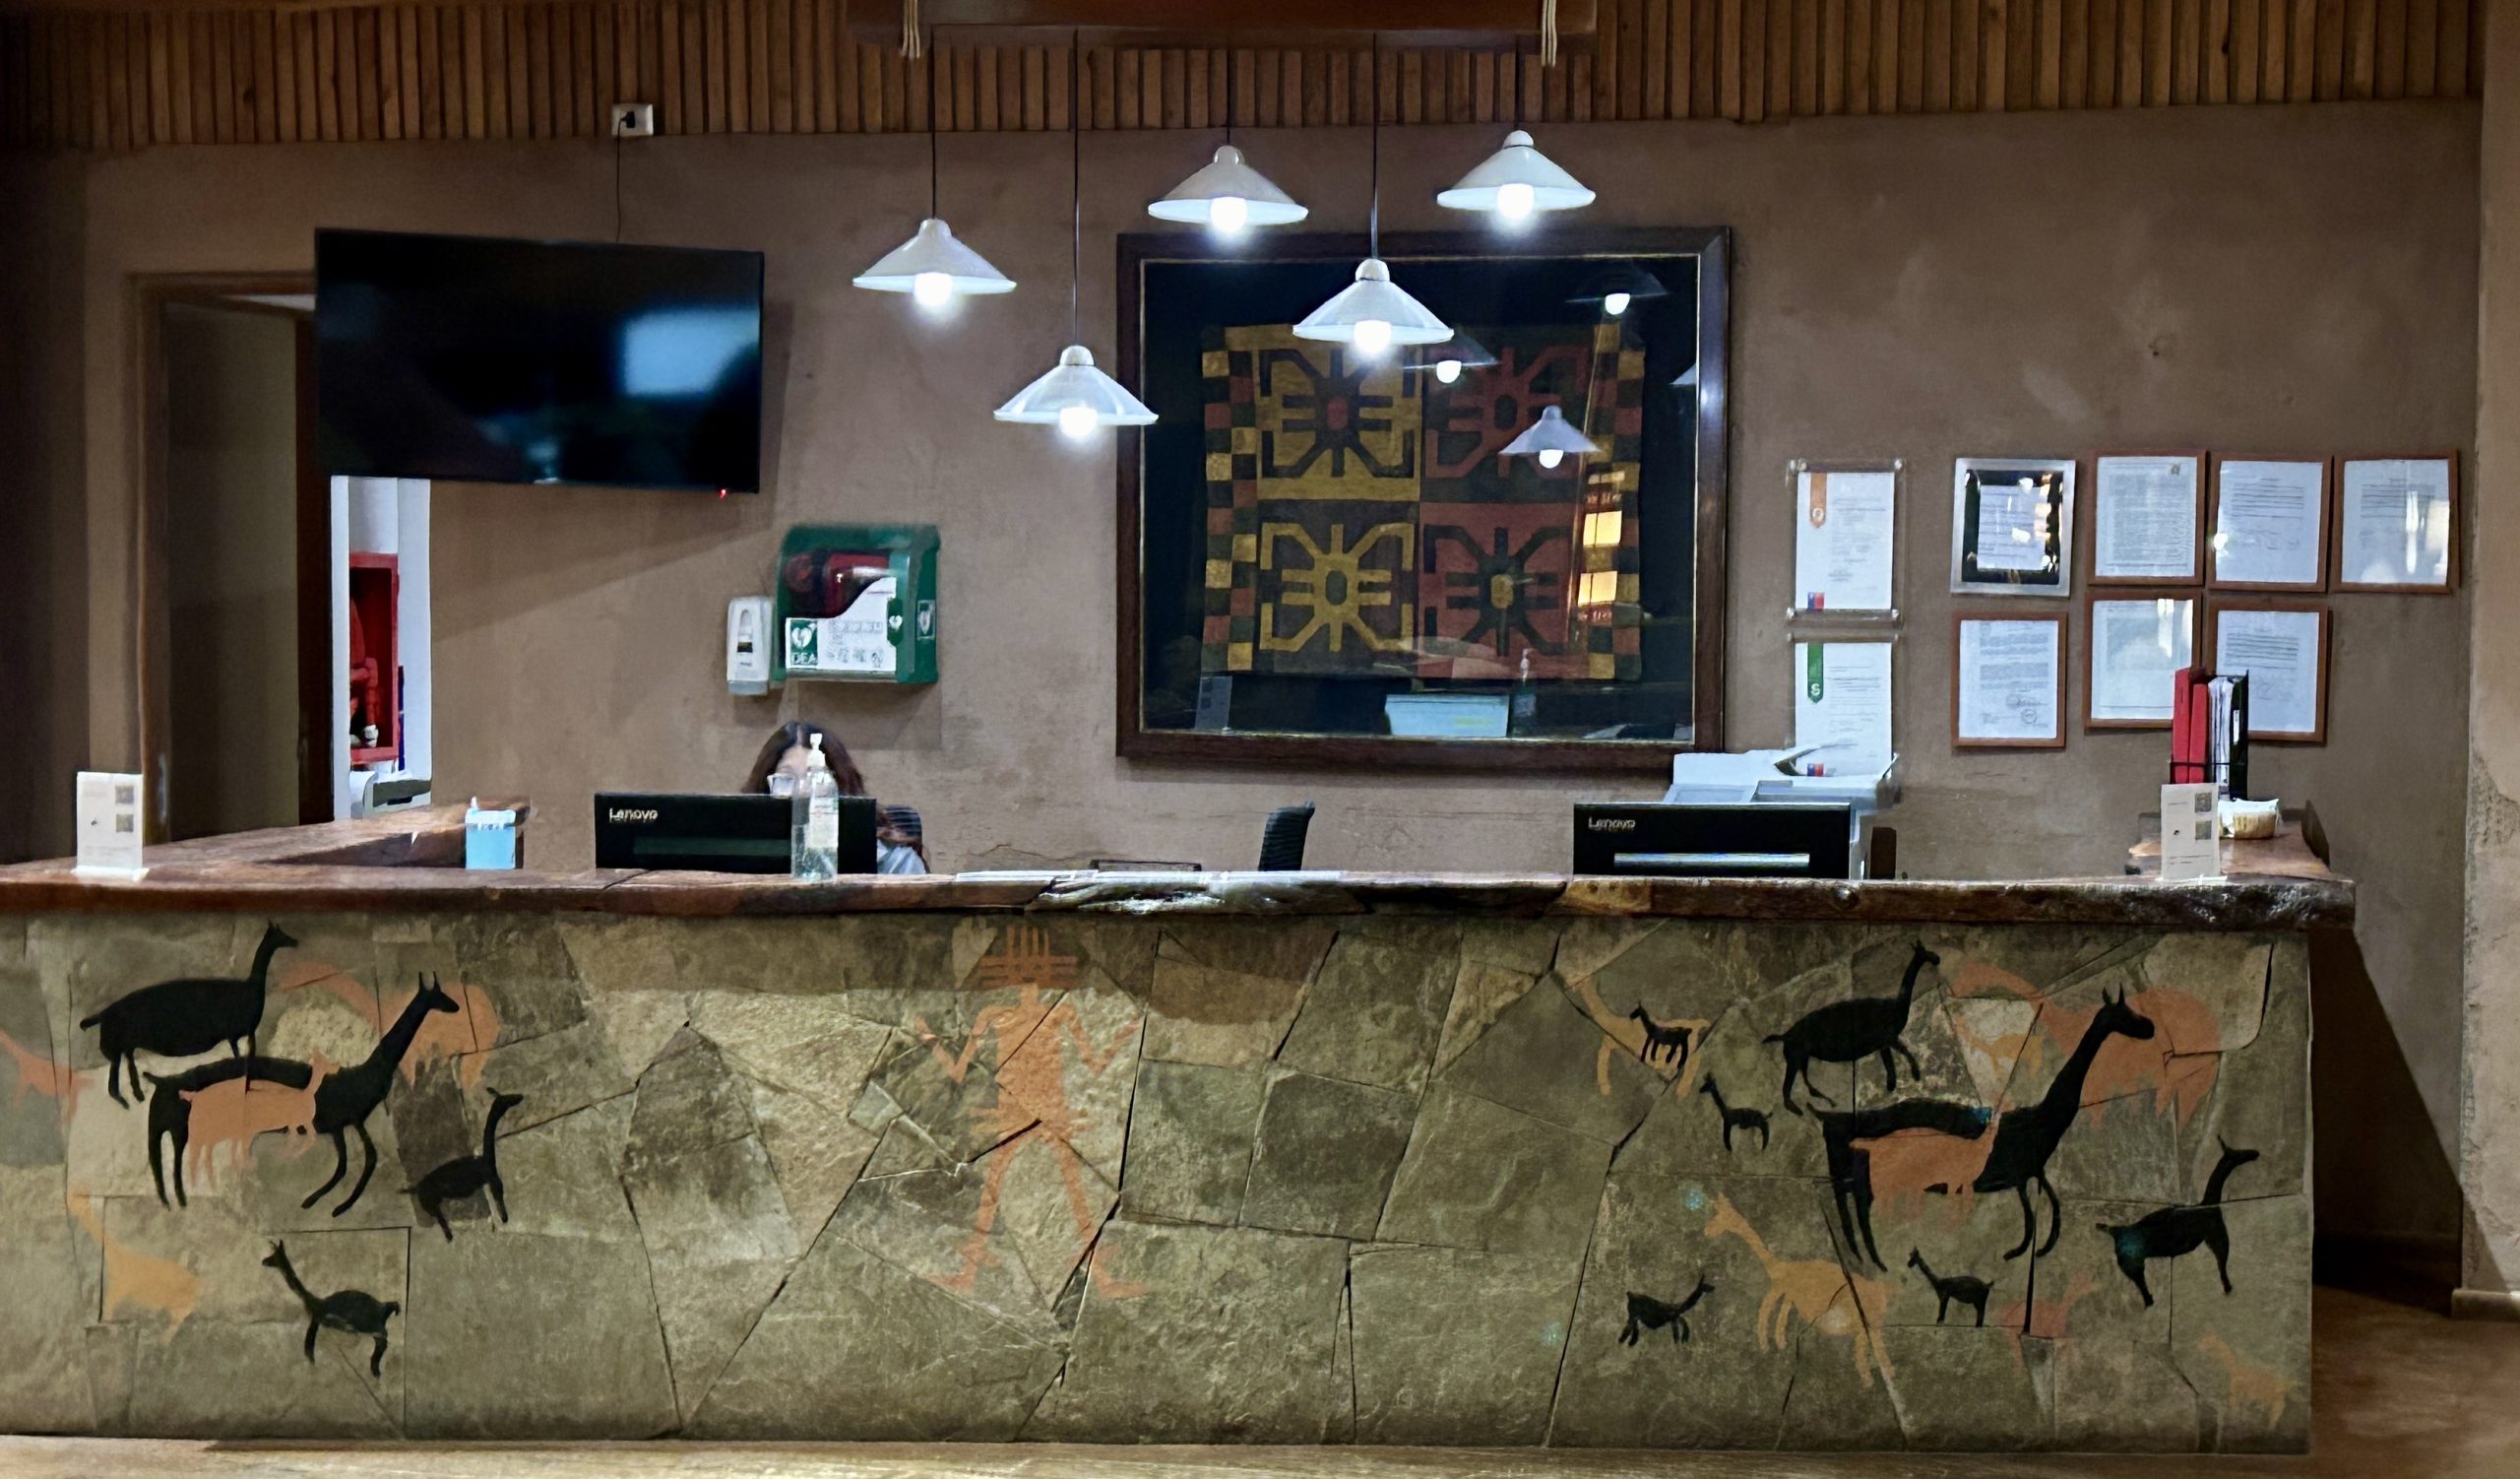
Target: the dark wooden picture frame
pixel 1960 622
pixel 1134 739
pixel 2212 652
pixel 2336 531
pixel 2090 502
pixel 2194 595
pixel 2328 520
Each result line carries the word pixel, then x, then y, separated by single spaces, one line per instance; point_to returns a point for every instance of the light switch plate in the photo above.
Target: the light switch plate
pixel 634 120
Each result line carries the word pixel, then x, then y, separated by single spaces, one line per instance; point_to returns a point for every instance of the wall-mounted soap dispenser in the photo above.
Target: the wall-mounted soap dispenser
pixel 749 654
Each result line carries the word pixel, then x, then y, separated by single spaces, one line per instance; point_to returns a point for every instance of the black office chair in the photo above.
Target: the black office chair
pixel 1281 840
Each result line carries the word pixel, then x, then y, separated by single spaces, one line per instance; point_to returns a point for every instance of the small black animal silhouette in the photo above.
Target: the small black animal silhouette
pixel 1735 1118
pixel 184 1018
pixel 1849 1032
pixel 1646 1313
pixel 352 1311
pixel 170 1115
pixel 345 1100
pixel 1671 1043
pixel 461 1178
pixel 2173 1231
pixel 1969 1291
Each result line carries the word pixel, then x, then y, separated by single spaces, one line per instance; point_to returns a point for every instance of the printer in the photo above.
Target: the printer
pixel 1754 815
pixel 1776 777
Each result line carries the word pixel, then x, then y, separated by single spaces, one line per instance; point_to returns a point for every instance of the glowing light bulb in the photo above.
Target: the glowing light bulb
pixel 932 290
pixel 1228 213
pixel 1514 200
pixel 1373 336
pixel 1448 370
pixel 1616 303
pixel 1551 457
pixel 1077 423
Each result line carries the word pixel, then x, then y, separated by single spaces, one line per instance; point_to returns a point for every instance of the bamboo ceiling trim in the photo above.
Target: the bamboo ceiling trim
pixel 128 79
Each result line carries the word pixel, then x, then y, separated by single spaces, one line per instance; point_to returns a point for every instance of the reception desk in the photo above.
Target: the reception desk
pixel 1292 1158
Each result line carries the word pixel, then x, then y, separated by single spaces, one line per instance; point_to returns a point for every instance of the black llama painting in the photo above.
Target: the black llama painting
pixel 1646 1313
pixel 2174 1231
pixel 1849 1032
pixel 2027 1139
pixel 1671 1043
pixel 467 1175
pixel 1956 1289
pixel 1733 1116
pixel 184 1018
pixel 345 1100
pixel 348 1311
pixel 173 1099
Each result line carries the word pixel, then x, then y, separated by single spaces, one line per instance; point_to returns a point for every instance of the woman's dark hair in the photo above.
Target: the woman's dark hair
pixel 800 733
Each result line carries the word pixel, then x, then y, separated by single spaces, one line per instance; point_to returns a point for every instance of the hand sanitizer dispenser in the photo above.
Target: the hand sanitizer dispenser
pixel 748 646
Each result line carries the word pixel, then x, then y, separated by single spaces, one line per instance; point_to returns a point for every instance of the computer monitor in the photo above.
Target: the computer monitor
pixel 1770 840
pixel 725 834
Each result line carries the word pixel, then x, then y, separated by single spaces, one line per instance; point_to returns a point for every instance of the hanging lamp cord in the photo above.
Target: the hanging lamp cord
pixel 913 48
pixel 1076 165
pixel 932 212
pixel 1547 31
pixel 1374 209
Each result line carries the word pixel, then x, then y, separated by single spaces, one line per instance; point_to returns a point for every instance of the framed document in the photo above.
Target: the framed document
pixel 1841 703
pixel 2148 518
pixel 2283 648
pixel 2397 524
pixel 2138 642
pixel 2012 526
pixel 1845 524
pixel 2008 682
pixel 2269 526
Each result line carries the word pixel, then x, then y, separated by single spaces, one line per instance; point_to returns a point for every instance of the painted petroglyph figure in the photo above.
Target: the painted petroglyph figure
pixel 184 1018
pixel 345 1099
pixel 2026 1139
pixel 1900 1151
pixel 2174 1231
pixel 1849 1032
pixel 349 1311
pixel 2250 1384
pixel 170 1107
pixel 232 1110
pixel 1829 1299
pixel 462 1177
pixel 465 1035
pixel 1646 1313
pixel 40 1074
pixel 135 1281
pixel 1970 1293
pixel 1669 1043
pixel 1734 1117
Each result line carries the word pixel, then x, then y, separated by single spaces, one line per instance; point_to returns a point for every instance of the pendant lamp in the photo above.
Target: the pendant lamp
pixel 933 266
pixel 1448 359
pixel 1075 395
pixel 1373 312
pixel 1517 179
pixel 1227 194
pixel 1549 440
pixel 1620 288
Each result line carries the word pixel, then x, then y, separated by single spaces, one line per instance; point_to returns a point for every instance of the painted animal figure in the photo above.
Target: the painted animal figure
pixel 461 1178
pixel 2178 1067
pixel 234 1110
pixel 135 1281
pixel 2175 1231
pixel 347 1097
pixel 1902 1149
pixel 185 1018
pixel 2042 1319
pixel 2027 1137
pixel 1671 1043
pixel 1829 1299
pixel 349 1311
pixel 1849 1032
pixel 1646 1313
pixel 170 1110
pixel 1735 1118
pixel 465 1035
pixel 2250 1384
pixel 1970 1292
pixel 40 1074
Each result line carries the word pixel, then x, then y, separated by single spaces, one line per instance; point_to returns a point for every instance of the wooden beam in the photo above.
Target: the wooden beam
pixel 1284 23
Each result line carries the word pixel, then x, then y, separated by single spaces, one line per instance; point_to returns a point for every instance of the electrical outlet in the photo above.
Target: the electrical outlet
pixel 634 120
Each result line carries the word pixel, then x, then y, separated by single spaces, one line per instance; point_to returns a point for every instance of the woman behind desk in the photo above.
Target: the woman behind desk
pixel 782 762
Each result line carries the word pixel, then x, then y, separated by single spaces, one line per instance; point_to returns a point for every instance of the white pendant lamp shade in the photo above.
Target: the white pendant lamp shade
pixel 1449 359
pixel 935 266
pixel 1515 181
pixel 1077 398
pixel 1551 440
pixel 1228 195
pixel 1373 313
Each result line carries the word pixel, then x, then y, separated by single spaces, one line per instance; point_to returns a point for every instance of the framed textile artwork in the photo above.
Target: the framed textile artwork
pixel 1329 553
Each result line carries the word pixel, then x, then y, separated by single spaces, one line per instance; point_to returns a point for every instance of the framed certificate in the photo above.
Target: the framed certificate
pixel 2397 524
pixel 1841 704
pixel 2138 643
pixel 2282 645
pixel 2148 518
pixel 2008 682
pixel 2269 525
pixel 1845 537
pixel 2012 526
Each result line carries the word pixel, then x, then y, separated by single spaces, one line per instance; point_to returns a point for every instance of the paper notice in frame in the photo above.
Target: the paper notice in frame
pixel 111 830
pixel 1842 547
pixel 1842 705
pixel 2146 511
pixel 2012 526
pixel 2191 839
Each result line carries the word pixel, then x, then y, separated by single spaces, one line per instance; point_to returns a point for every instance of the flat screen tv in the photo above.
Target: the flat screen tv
pixel 467 358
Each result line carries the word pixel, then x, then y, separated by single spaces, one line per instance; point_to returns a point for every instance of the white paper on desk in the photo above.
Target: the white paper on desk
pixel 110 829
pixel 2396 523
pixel 2144 518
pixel 2280 653
pixel 2008 679
pixel 1842 705
pixel 1841 560
pixel 2191 837
pixel 2138 644
pixel 2269 525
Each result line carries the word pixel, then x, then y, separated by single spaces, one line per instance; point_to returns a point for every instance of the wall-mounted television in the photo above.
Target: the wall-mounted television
pixel 467 358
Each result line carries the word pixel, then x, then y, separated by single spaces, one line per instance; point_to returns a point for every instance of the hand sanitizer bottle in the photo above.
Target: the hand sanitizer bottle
pixel 814 836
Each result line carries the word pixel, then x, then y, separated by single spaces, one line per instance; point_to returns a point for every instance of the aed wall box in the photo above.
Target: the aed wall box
pixel 856 603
